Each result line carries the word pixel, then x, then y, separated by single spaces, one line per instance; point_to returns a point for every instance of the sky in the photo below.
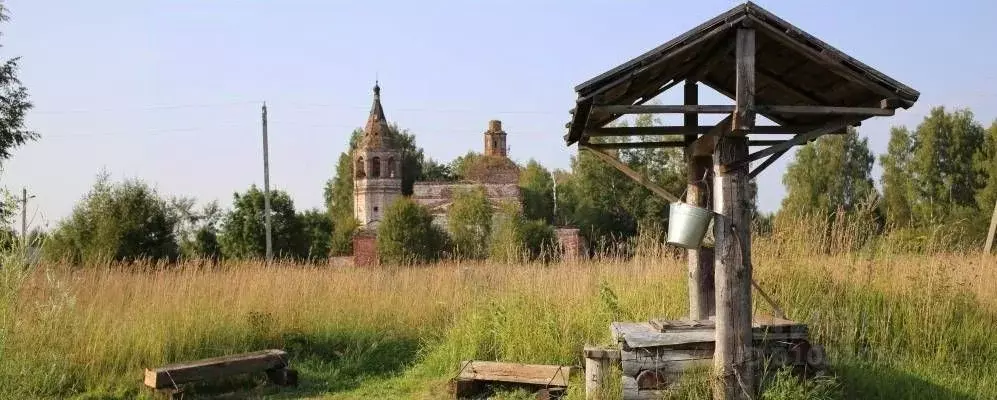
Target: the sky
pixel 170 91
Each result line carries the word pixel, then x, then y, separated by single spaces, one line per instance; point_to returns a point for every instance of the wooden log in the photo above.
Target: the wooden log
pixel 172 375
pixel 733 365
pixel 531 374
pixel 825 110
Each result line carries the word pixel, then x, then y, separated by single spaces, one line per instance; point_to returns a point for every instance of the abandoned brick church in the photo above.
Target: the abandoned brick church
pixel 378 182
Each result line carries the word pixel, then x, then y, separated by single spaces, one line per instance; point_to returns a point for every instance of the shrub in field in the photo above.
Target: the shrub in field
pixel 470 223
pixel 243 235
pixel 123 221
pixel 514 238
pixel 407 234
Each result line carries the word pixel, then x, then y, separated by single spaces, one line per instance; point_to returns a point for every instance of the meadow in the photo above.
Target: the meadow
pixel 895 324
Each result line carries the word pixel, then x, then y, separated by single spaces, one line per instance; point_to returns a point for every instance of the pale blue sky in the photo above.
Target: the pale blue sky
pixel 169 91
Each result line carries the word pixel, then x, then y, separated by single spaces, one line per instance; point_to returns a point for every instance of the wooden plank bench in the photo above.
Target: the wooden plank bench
pixel 549 380
pixel 168 378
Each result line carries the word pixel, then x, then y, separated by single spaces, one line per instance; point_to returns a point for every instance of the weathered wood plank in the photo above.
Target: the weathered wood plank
pixel 533 374
pixel 664 109
pixel 636 176
pixel 666 360
pixel 172 375
pixel 825 110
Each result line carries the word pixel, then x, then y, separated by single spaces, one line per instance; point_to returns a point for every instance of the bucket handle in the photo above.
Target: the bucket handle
pixel 700 180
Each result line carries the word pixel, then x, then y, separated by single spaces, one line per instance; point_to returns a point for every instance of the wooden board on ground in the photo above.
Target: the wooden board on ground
pixel 532 374
pixel 173 375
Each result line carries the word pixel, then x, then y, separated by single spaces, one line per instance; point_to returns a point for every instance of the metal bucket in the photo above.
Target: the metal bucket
pixel 687 225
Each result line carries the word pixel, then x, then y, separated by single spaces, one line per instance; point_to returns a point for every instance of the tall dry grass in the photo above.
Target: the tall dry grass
pixel 896 325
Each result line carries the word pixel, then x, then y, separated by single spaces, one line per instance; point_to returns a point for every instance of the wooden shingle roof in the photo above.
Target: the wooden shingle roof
pixel 792 68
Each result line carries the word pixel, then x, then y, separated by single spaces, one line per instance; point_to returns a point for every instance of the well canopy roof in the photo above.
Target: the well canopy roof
pixel 792 68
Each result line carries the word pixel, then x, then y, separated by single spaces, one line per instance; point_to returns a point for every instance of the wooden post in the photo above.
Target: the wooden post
pixel 700 261
pixel 990 233
pixel 733 359
pixel 597 362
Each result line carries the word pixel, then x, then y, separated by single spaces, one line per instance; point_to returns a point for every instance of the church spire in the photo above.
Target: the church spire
pixel 376 131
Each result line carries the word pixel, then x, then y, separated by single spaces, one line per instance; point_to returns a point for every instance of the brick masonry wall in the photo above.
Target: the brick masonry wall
pixel 571 242
pixel 364 250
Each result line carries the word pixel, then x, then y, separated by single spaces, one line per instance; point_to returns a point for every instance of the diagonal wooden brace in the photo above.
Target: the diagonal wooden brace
pixel 636 176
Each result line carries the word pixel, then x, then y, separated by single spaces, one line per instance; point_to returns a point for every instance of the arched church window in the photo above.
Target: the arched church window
pixel 360 170
pixel 391 167
pixel 375 167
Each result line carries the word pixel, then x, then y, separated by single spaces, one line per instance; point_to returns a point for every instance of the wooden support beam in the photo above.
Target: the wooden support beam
pixel 768 161
pixel 799 139
pixel 701 130
pixel 699 261
pixel 661 109
pixel 636 145
pixel 734 366
pixel 868 111
pixel 636 176
pixel 744 92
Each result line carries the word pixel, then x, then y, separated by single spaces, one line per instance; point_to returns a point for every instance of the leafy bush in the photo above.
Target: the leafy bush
pixel 407 234
pixel 243 235
pixel 516 239
pixel 124 221
pixel 470 222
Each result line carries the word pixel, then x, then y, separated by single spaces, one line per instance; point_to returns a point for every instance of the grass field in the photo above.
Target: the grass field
pixel 894 325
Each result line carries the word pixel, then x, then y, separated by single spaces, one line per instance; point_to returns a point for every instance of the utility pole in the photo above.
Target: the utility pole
pixel 266 187
pixel 24 216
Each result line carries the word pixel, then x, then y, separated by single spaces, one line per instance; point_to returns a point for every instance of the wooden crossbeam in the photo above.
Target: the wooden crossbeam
pixel 870 111
pixel 626 170
pixel 668 144
pixel 727 109
pixel 700 130
pixel 661 109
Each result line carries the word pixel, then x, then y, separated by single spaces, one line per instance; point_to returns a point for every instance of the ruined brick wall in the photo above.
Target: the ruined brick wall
pixel 438 196
pixel 572 244
pixel 364 249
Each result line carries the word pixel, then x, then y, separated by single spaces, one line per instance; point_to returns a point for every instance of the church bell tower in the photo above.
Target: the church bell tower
pixel 377 178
